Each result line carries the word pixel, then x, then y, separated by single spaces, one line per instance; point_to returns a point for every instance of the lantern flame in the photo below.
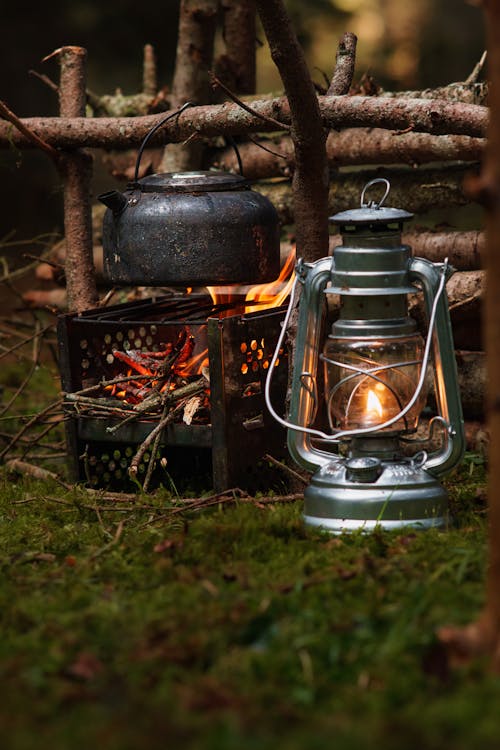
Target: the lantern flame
pixel 373 404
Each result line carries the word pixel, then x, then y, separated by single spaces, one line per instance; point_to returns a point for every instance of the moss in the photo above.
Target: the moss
pixel 235 628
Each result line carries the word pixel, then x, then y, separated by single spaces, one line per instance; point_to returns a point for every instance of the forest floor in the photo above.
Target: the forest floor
pixel 148 623
pixel 234 627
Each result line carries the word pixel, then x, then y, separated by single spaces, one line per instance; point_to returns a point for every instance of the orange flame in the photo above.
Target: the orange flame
pixel 263 296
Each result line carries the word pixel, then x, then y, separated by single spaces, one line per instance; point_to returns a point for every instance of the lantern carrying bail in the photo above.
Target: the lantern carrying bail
pixel 381 202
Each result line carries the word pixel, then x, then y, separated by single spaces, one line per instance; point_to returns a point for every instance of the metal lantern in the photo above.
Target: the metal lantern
pixel 357 396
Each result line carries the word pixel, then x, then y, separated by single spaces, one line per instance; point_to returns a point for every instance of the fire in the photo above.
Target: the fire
pixel 174 365
pixel 260 296
pixel 158 371
pixel 373 404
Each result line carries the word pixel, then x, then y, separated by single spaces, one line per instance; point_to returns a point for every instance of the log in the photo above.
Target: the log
pixel 465 291
pixel 352 146
pixel 477 437
pixel 464 250
pixel 413 190
pixel 338 112
pixel 471 367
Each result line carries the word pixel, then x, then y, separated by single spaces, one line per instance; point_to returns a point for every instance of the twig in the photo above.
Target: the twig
pixel 154 451
pixel 52 425
pixel 288 469
pixel 20 389
pixel 30 423
pixel 45 79
pixel 7 114
pixel 30 470
pixel 265 148
pixel 476 71
pixel 217 83
pixel 109 545
pixel 104 383
pixel 134 464
pixel 26 341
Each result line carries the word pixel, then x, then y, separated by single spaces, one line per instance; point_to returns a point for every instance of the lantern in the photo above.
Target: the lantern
pixel 357 395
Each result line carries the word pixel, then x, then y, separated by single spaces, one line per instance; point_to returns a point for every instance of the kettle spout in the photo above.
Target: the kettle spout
pixel 113 200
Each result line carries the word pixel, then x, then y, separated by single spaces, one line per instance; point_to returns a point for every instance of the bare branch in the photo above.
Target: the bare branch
pixel 427 116
pixel 310 180
pixel 237 64
pixel 7 114
pixel 149 75
pixel 344 65
pixel 270 120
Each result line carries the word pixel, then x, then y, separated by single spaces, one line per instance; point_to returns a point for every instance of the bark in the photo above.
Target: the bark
pixel 195 46
pixel 310 180
pixel 426 116
pixel 236 66
pixel 149 75
pixel 344 65
pixel 413 190
pixel 76 172
pixel 471 93
pixel 483 636
pixel 471 367
pixel 352 147
pixel 464 250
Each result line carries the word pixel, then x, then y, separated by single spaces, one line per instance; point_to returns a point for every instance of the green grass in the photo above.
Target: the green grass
pixel 235 628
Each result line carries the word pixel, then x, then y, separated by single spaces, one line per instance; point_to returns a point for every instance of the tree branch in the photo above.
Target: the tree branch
pixel 195 46
pixel 237 65
pixel 344 65
pixel 310 180
pixel 426 116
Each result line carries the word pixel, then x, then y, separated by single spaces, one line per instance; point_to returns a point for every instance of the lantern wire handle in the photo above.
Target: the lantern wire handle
pixel 366 430
pixel 372 204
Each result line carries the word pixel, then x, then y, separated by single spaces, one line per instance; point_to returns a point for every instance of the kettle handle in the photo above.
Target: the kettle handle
pixel 151 133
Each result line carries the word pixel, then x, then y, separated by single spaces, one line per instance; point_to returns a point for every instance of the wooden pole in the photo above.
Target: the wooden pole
pixel 76 171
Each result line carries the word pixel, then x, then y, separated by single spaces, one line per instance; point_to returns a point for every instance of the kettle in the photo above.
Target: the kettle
pixel 189 229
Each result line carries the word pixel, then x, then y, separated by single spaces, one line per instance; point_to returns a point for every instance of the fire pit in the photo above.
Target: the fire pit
pixel 195 366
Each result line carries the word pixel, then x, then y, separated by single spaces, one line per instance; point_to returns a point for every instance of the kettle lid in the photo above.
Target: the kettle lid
pixel 190 182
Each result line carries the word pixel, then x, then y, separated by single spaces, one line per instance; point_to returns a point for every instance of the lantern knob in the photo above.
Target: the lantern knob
pixel 363 469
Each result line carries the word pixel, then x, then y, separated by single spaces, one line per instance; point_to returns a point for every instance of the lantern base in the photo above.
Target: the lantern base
pixel 343 496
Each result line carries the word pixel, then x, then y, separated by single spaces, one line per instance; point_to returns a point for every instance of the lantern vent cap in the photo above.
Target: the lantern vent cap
pixel 371 212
